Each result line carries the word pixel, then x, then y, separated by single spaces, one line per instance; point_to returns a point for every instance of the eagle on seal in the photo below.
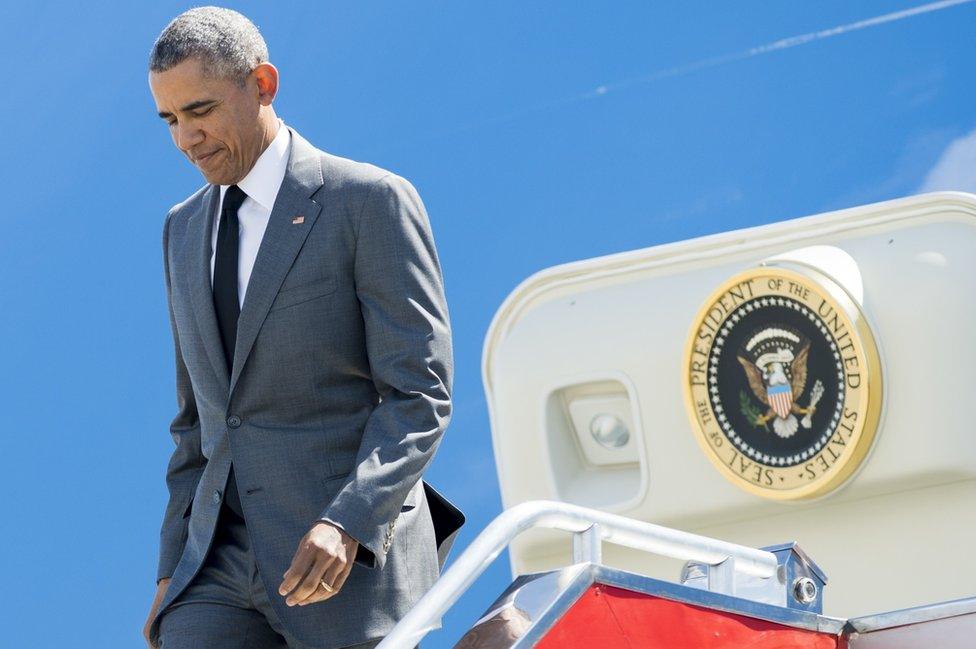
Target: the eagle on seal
pixel 778 388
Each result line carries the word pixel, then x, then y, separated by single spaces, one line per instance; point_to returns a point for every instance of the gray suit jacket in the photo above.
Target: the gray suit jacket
pixel 338 397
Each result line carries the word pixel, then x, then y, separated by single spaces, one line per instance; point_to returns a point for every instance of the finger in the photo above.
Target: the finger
pixel 291 595
pixel 300 564
pixel 319 595
pixel 310 583
pixel 311 589
pixel 347 566
pixel 334 576
pixel 341 579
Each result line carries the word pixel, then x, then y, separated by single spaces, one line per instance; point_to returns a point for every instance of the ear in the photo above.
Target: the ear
pixel 266 76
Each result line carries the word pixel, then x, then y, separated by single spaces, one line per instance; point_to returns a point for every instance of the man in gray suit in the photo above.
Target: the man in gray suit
pixel 313 370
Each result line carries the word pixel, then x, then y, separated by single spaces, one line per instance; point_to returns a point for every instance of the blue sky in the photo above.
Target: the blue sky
pixel 479 106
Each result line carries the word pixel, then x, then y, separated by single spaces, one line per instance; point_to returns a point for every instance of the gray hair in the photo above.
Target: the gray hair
pixel 226 42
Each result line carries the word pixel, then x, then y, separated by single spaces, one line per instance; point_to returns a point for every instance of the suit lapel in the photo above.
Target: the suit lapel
pixel 280 245
pixel 199 232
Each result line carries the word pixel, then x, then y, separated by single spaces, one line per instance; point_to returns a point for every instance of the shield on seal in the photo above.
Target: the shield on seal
pixel 780 399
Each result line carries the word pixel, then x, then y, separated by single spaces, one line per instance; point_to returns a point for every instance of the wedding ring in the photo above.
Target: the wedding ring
pixel 327 587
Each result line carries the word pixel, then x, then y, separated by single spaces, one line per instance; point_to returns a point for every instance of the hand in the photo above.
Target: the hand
pixel 324 553
pixel 160 593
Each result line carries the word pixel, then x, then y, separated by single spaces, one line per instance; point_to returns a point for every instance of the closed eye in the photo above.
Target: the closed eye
pixel 171 120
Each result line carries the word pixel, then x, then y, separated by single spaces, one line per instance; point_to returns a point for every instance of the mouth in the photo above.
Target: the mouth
pixel 205 158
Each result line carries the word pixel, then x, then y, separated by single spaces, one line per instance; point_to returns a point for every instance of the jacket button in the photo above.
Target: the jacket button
pixel 216 495
pixel 233 421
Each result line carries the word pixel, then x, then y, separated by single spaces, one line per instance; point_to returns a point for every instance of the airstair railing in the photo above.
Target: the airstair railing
pixel 590 528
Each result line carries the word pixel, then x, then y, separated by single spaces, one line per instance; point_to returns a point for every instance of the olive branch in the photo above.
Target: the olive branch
pixel 749 410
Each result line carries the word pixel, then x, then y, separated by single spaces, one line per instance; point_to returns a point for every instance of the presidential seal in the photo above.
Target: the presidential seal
pixel 783 382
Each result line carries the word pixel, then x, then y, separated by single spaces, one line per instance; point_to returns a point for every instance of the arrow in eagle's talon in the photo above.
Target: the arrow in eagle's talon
pixel 815 396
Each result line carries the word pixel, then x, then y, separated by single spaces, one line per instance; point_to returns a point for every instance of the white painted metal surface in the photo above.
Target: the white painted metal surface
pixel 613 328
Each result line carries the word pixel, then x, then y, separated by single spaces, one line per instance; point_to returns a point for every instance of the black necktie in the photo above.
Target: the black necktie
pixel 227 301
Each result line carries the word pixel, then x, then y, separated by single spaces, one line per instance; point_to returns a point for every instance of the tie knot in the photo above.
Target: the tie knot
pixel 233 198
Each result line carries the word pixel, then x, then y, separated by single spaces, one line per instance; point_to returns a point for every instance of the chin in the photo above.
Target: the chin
pixel 215 180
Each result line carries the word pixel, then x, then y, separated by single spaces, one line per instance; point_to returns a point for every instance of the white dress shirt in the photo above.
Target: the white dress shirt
pixel 261 184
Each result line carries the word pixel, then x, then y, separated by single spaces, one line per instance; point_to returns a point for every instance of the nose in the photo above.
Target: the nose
pixel 187 136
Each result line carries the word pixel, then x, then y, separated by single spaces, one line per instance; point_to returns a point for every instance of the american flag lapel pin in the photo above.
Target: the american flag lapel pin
pixel 297 220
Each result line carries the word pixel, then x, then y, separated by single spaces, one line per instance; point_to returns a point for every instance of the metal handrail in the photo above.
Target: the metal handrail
pixel 590 527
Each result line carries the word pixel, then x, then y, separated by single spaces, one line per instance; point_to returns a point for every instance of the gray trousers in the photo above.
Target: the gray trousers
pixel 226 606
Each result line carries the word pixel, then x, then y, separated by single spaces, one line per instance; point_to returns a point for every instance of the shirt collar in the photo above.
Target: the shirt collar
pixel 264 179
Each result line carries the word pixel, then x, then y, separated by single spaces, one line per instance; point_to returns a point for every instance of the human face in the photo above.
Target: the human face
pixel 219 126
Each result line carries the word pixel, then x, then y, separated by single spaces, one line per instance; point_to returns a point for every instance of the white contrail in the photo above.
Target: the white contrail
pixel 852 27
pixel 775 46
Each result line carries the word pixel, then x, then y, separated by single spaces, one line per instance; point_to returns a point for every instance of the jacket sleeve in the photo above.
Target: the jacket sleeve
pixel 408 342
pixel 187 461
